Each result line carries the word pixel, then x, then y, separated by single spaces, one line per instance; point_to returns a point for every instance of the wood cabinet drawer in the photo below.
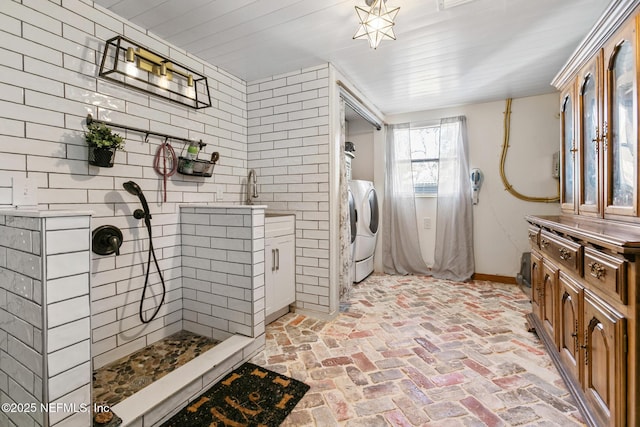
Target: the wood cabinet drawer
pixel 534 236
pixel 607 273
pixel 564 251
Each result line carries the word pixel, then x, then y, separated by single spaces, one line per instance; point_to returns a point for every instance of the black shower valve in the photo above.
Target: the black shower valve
pixel 106 240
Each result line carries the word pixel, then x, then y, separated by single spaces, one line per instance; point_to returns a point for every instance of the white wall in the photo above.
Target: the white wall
pixel 362 164
pixel 500 232
pixel 49 54
pixel 289 149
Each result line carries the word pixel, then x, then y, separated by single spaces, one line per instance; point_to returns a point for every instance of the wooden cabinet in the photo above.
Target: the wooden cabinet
pixel 568 157
pixel 584 264
pixel 585 306
pixel 549 298
pixel 605 351
pixel 590 137
pixel 570 321
pixel 620 123
pixel 279 251
pixel 537 299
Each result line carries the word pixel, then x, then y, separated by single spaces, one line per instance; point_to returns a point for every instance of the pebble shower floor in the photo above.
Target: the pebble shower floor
pixel 118 380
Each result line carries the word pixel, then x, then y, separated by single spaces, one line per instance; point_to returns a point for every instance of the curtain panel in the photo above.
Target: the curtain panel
pixel 401 246
pixel 454 258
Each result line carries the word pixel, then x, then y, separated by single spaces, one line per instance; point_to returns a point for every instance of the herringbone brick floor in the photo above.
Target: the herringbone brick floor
pixel 417 351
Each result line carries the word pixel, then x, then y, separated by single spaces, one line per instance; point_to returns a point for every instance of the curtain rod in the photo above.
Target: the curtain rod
pixel 90 119
pixel 359 106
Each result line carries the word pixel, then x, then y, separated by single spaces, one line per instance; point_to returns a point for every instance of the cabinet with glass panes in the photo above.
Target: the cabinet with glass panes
pixel 585 268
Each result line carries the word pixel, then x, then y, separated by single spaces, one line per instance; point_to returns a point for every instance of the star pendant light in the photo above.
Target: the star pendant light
pixel 376 23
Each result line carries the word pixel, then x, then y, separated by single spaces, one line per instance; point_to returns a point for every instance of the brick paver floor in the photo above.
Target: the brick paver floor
pixel 417 351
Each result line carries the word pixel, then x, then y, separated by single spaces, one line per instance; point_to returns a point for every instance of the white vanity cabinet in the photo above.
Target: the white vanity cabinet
pixel 280 269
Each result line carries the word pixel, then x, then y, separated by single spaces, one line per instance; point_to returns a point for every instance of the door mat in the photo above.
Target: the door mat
pixel 250 396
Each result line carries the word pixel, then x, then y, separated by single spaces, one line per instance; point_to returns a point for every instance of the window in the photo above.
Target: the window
pixel 425 149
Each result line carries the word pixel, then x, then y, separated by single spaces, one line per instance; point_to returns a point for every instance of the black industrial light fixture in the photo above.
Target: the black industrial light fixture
pixel 127 62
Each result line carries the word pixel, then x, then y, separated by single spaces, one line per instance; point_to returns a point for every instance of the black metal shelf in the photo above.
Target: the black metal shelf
pixel 146 132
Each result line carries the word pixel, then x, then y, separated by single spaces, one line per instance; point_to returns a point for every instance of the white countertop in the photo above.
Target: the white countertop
pixel 36 213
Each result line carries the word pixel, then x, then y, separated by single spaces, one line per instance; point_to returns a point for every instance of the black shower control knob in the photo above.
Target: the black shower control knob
pixel 106 240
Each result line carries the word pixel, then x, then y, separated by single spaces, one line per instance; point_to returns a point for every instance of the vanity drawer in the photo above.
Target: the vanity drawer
pixel 534 236
pixel 279 225
pixel 607 273
pixel 564 251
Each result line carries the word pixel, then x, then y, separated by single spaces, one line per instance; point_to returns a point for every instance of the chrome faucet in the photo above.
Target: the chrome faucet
pixel 252 180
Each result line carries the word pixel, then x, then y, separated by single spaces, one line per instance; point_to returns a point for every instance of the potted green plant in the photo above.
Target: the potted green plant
pixel 103 143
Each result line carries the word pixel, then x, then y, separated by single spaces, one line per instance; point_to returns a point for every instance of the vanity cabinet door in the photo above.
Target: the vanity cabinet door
pixel 605 355
pixel 621 123
pixel 280 264
pixel 590 138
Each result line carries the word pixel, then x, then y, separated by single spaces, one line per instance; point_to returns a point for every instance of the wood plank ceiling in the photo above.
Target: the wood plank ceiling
pixel 482 51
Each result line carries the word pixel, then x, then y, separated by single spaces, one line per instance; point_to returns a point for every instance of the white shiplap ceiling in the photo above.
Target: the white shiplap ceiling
pixel 482 51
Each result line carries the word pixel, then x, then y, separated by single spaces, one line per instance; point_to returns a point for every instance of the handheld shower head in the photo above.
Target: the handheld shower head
pixel 133 188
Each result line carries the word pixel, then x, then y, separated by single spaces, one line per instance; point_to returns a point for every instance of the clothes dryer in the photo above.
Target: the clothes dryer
pixel 366 202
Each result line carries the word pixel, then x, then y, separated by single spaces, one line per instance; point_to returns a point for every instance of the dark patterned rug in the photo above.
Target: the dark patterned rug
pixel 247 397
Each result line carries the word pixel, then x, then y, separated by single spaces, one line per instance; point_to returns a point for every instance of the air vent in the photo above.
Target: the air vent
pixel 448 4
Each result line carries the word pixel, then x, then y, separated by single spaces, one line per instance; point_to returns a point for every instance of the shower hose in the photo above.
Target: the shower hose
pixel 152 252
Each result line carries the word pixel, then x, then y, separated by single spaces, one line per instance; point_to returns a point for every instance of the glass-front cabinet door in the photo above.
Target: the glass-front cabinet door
pixel 620 125
pixel 590 139
pixel 569 151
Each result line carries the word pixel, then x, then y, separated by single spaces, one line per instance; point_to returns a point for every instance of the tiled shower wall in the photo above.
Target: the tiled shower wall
pixel 45 333
pixel 49 54
pixel 21 323
pixel 289 145
pixel 223 270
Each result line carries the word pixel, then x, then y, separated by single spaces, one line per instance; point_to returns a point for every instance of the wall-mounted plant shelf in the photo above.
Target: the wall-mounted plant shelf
pixel 133 65
pixel 194 167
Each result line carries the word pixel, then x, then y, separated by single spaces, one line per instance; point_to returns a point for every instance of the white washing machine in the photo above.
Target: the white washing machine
pixel 366 203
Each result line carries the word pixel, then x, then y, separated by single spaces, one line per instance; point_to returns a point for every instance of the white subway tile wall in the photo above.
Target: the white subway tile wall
pixel 24 359
pixel 289 149
pixel 49 59
pixel 21 323
pixel 223 271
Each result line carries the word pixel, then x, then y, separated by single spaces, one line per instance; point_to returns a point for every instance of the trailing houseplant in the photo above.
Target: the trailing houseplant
pixel 103 143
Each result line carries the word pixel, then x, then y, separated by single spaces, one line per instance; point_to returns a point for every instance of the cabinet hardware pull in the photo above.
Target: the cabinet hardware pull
pixel 605 135
pixel 586 354
pixel 596 140
pixel 564 254
pixel 544 243
pixel 278 258
pixel 273 260
pixel 573 149
pixel 597 270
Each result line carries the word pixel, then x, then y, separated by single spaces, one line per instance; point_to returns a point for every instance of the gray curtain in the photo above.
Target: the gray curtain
pixel 453 258
pixel 401 247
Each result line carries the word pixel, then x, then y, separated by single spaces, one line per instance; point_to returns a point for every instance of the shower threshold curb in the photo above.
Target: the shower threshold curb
pixel 165 396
